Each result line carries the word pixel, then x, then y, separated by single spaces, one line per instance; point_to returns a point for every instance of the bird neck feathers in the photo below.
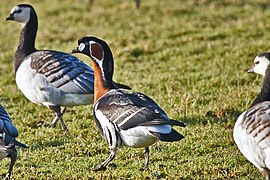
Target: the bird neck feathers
pixel 264 94
pixel 27 41
pixel 99 88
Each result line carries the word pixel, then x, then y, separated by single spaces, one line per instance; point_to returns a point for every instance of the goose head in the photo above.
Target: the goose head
pixel 99 52
pixel 21 13
pixel 93 48
pixel 260 64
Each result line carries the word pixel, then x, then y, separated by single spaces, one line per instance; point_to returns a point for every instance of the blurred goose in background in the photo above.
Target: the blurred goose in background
pixel 138 3
pixel 124 118
pixel 252 129
pixel 46 77
pixel 8 133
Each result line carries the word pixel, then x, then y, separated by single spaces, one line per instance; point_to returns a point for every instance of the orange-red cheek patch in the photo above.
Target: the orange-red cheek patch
pixel 97 51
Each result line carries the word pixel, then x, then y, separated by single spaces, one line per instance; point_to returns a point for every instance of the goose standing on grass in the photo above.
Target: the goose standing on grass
pixel 50 78
pixel 124 118
pixel 252 128
pixel 8 133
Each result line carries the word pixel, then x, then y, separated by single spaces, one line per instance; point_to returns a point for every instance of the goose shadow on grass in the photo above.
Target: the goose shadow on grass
pixel 41 145
pixel 227 116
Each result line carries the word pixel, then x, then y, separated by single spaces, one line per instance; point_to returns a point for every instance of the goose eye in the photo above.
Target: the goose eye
pixel 257 62
pixel 18 11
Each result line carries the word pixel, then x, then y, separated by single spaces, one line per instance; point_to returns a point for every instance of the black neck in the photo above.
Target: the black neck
pixel 108 76
pixel 27 41
pixel 108 68
pixel 264 94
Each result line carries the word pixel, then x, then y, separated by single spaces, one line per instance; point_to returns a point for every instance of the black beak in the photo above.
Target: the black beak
pixel 10 17
pixel 75 50
pixel 251 70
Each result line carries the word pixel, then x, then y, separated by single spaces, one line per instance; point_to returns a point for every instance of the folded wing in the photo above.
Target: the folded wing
pixel 129 110
pixel 64 71
pixel 256 121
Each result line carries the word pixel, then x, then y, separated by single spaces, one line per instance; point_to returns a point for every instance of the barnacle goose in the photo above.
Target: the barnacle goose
pixel 252 129
pixel 46 77
pixel 8 133
pixel 124 118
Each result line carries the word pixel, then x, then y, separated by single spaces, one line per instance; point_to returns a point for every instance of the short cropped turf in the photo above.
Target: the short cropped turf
pixel 190 56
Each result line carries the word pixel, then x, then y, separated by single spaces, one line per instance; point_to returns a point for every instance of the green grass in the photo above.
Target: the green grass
pixel 190 56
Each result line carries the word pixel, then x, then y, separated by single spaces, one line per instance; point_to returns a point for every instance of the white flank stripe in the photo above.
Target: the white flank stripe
pixel 121 115
pixel 108 128
pixel 130 116
pixel 104 121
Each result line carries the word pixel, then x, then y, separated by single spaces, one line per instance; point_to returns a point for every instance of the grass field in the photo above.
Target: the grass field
pixel 190 56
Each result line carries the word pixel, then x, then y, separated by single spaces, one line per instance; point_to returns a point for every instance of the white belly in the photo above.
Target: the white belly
pixel 137 137
pixel 141 137
pixel 35 86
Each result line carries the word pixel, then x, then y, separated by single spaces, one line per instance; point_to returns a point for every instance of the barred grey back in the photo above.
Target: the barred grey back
pixel 64 71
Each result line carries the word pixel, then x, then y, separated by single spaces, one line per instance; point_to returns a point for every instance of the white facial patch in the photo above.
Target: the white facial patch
pixel 98 58
pixel 81 47
pixel 21 14
pixel 260 65
pixel 92 42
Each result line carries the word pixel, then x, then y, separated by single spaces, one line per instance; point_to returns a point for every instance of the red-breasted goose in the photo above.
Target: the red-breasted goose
pixel 252 129
pixel 124 118
pixel 46 77
pixel 8 133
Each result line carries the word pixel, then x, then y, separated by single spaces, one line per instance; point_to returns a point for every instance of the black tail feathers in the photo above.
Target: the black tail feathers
pixel 17 143
pixel 172 136
pixel 177 123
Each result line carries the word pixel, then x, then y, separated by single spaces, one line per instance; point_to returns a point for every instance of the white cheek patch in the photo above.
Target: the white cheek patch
pixel 261 67
pixel 23 16
pixel 81 47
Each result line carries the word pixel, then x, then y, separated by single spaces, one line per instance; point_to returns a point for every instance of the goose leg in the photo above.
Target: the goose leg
pixel 59 113
pixel 90 2
pixel 63 110
pixel 138 3
pixel 64 127
pixel 54 121
pixel 266 172
pixel 146 155
pixel 103 165
pixel 13 158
